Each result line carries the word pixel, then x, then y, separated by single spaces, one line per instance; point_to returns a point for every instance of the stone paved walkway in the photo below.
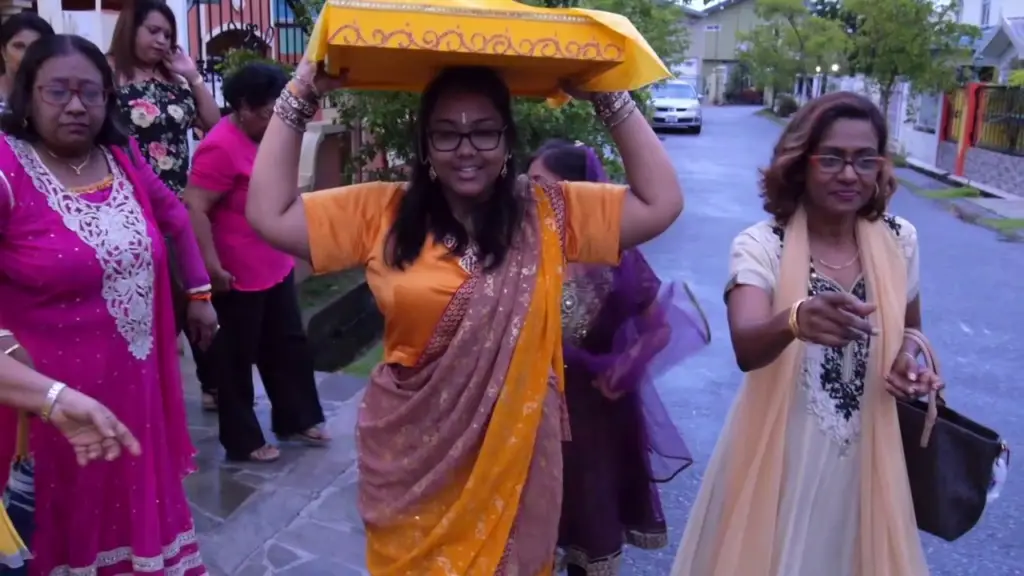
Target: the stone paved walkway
pixel 296 516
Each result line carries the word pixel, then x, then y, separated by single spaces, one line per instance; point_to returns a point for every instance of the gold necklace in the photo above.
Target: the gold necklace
pixel 840 267
pixel 78 168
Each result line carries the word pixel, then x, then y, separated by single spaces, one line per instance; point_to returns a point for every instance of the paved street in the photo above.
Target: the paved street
pixel 972 307
pixel 298 517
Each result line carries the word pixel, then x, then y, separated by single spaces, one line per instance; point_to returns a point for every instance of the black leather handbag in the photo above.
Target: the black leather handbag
pixel 950 459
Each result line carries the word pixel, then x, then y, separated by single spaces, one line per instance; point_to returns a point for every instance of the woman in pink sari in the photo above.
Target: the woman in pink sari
pixel 84 289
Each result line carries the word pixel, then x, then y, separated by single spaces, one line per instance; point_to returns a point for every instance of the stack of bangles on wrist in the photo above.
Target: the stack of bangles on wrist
pixel 297 104
pixel 613 107
pixel 201 294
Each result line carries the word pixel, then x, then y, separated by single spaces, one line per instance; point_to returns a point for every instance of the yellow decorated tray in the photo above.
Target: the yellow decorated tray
pixel 401 45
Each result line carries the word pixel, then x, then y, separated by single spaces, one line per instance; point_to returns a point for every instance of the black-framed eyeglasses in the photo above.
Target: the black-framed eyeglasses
pixel 91 95
pixel 864 165
pixel 482 139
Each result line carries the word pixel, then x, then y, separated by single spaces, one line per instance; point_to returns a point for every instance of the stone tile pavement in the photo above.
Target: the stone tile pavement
pixel 296 516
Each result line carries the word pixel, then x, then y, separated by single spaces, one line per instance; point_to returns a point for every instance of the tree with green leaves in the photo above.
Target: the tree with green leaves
pixel 790 42
pixel 915 41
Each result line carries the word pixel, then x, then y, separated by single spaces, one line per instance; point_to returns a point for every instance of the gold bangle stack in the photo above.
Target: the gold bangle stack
pixel 794 323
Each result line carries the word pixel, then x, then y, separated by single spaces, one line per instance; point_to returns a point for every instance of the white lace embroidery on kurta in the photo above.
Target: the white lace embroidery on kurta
pixel 116 230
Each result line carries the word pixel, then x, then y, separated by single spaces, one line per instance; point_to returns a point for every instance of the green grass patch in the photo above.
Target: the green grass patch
pixel 316 291
pixel 951 193
pixel 365 364
pixel 1003 224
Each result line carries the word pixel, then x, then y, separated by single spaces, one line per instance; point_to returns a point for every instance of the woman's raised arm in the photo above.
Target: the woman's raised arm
pixel 274 207
pixel 657 197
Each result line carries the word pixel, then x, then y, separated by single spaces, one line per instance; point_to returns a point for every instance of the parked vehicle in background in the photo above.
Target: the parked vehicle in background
pixel 676 106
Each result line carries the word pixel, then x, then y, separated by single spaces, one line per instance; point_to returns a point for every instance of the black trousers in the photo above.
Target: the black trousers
pixel 262 328
pixel 202 368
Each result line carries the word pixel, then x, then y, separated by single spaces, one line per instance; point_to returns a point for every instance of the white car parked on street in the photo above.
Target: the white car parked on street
pixel 676 106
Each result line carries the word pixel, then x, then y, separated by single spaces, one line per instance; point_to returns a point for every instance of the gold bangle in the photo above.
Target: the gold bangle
pixel 794 324
pixel 51 400
pixel 12 349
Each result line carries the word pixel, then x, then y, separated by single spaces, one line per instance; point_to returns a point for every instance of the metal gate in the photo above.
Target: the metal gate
pixel 268 28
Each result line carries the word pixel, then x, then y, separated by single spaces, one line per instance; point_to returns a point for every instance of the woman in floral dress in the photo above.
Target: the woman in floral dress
pixel 162 96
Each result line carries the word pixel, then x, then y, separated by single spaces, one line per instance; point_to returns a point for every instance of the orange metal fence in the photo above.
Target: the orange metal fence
pixel 999 120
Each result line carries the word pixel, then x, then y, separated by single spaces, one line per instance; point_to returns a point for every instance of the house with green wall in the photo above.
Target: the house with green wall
pixel 714 46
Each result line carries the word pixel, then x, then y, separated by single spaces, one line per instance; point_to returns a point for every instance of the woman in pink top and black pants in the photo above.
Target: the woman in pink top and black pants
pixel 254 284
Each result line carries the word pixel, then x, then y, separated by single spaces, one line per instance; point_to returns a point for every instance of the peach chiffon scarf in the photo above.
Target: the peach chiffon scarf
pixel 732 530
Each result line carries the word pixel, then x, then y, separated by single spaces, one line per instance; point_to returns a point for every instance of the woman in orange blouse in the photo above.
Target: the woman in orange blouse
pixel 460 430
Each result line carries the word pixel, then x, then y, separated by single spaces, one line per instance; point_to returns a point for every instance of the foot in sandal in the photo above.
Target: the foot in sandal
pixel 314 437
pixel 261 455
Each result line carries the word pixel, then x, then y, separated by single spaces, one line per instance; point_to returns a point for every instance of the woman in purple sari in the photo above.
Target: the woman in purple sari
pixel 619 327
pixel 84 288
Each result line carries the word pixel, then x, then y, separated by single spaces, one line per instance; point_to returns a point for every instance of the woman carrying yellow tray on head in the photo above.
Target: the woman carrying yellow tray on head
pixel 460 430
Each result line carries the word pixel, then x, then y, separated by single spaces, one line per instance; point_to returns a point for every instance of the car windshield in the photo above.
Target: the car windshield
pixel 680 91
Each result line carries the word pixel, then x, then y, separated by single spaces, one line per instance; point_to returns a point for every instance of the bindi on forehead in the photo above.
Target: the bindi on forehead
pixel 466 120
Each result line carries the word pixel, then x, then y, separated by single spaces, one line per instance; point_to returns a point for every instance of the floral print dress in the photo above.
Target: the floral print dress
pixel 159 115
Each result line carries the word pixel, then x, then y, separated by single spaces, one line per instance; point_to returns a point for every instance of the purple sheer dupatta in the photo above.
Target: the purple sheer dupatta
pixel 647 327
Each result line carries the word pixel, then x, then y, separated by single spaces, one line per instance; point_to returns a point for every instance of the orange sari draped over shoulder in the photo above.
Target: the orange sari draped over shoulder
pixel 459 434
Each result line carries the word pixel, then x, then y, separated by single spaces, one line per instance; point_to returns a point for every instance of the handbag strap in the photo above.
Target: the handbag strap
pixel 931 361
pixel 21 449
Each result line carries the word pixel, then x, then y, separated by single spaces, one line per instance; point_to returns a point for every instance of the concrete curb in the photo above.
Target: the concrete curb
pixel 954 180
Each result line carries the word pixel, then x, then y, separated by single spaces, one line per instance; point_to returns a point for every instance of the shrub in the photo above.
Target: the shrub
pixel 785 105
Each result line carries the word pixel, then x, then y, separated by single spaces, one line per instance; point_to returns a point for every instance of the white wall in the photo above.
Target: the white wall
pixel 97 27
pixel 998 9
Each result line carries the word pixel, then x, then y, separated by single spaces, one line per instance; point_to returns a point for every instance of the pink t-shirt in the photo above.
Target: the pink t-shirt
pixel 222 164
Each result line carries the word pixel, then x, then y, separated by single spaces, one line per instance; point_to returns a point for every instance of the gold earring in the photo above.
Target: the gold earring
pixel 504 168
pixel 432 173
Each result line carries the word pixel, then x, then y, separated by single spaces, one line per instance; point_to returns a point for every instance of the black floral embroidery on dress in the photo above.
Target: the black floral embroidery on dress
pixel 844 387
pixel 159 115
pixel 893 224
pixel 779 231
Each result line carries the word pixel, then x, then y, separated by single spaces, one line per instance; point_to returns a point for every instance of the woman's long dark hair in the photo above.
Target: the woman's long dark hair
pixel 423 208
pixel 122 43
pixel 19 22
pixel 17 120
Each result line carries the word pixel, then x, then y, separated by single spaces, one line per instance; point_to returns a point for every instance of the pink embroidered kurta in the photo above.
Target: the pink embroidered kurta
pixel 84 285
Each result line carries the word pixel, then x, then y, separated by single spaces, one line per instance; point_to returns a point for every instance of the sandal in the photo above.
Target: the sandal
pixel 209 402
pixel 314 438
pixel 263 455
